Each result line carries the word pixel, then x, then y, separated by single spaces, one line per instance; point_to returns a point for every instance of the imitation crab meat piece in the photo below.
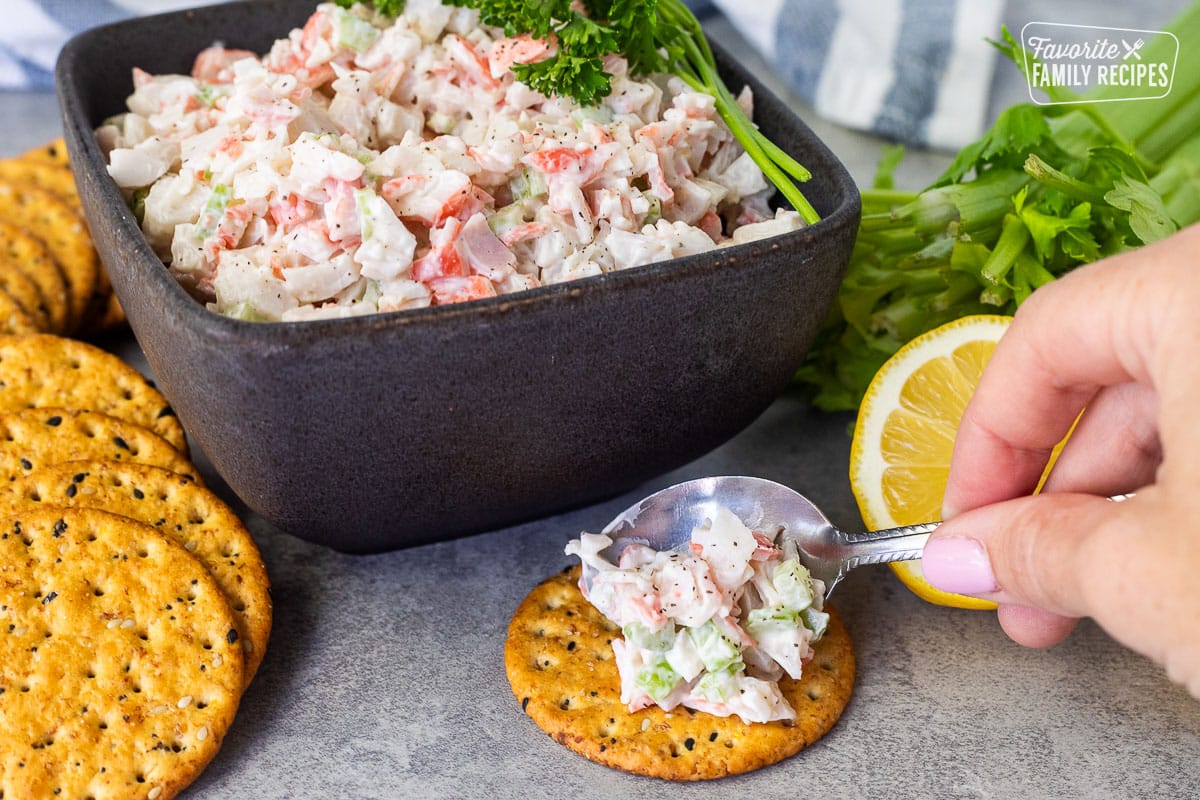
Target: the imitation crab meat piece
pixel 523 49
pixel 214 64
pixel 484 251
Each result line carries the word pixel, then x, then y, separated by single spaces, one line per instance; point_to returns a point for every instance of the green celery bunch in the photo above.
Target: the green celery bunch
pixel 1046 189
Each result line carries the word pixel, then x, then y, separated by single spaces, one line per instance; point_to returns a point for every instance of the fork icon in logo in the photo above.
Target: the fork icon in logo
pixel 1132 49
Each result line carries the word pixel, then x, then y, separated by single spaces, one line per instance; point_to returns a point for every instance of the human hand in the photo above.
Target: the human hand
pixel 1121 337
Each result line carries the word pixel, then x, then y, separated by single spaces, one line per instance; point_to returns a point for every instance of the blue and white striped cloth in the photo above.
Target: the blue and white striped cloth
pixel 33 31
pixel 916 71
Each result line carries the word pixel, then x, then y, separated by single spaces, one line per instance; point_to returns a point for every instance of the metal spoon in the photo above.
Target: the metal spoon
pixel 665 519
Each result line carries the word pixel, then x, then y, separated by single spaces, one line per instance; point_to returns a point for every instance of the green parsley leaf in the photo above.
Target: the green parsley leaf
pixel 1148 216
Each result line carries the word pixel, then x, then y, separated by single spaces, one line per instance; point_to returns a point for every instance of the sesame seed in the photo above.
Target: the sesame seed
pixel 202 734
pixel 184 702
pixel 155 792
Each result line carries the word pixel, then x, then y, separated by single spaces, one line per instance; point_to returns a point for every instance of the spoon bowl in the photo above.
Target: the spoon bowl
pixel 665 520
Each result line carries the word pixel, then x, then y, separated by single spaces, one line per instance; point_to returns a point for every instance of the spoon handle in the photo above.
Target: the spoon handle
pixel 897 544
pixel 881 547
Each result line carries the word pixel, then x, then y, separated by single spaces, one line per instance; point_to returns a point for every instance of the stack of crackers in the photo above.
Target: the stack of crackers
pixel 51 279
pixel 134 604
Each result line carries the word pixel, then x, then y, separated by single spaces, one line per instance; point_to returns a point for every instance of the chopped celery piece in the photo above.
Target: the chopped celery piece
pixel 247 313
pixel 655 212
pixel 353 32
pixel 207 94
pixel 508 218
pixel 815 621
pixel 362 204
pixel 640 636
pixel 765 618
pixel 713 647
pixel 719 685
pixel 214 211
pixel 529 183
pixel 599 115
pixel 794 584
pixel 657 679
pixel 137 203
pixel 371 294
pixel 440 123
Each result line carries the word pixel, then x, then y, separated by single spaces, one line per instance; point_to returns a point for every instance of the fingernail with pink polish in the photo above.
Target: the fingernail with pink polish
pixel 958 565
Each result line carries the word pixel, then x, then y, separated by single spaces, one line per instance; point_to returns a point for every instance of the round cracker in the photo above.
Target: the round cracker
pixel 44 175
pixel 52 152
pixel 52 371
pixel 18 285
pixel 119 666
pixel 560 664
pixel 37 437
pixel 27 252
pixel 177 507
pixel 63 232
pixel 13 318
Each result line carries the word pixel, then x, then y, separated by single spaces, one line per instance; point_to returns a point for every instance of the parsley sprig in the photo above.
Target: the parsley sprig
pixel 654 36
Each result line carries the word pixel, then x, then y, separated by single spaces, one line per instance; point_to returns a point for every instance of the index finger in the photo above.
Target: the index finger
pixel 1092 328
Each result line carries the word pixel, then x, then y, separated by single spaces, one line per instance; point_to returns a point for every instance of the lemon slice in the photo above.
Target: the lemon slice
pixel 904 436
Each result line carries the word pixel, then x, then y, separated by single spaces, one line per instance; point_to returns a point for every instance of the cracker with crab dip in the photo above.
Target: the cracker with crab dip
pixel 683 665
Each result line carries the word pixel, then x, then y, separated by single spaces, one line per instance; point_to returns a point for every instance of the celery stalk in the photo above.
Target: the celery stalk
pixel 1045 190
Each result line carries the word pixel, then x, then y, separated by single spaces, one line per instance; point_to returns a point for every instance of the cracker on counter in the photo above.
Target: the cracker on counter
pixel 177 507
pixel 120 671
pixel 29 254
pixel 559 660
pixel 52 152
pixel 63 232
pixel 57 178
pixel 13 318
pixel 37 437
pixel 21 288
pixel 43 174
pixel 52 371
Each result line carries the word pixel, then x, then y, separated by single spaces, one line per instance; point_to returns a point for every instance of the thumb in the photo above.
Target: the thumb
pixel 1046 552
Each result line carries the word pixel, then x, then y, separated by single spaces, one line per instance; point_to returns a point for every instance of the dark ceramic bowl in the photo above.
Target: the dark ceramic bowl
pixel 392 430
